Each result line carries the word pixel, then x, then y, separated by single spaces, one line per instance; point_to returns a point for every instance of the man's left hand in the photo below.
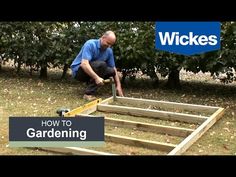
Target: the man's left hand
pixel 119 91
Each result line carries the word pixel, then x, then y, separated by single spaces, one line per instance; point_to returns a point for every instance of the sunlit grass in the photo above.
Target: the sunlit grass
pixel 26 96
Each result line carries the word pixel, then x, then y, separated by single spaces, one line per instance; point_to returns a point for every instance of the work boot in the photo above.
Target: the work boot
pixel 89 97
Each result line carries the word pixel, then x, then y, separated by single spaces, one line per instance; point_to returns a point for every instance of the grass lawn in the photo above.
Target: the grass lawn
pixel 30 96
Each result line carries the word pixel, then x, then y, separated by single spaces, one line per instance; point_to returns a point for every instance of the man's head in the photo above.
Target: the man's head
pixel 108 39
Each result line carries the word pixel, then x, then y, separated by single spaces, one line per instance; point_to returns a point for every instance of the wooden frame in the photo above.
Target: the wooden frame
pixel 189 135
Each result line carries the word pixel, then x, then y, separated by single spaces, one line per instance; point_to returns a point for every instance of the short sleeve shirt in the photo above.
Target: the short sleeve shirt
pixel 92 51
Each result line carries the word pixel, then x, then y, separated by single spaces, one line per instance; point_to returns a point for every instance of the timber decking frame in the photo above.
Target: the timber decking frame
pixel 190 135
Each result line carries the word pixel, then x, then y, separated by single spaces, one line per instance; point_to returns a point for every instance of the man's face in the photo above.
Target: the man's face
pixel 106 42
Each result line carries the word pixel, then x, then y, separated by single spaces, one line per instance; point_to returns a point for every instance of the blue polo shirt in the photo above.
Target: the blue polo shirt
pixel 92 51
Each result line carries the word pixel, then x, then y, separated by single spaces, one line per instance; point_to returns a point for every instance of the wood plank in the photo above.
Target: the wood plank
pixel 170 130
pixel 107 101
pixel 169 105
pixel 152 113
pixel 163 129
pixel 140 143
pixel 76 151
pixel 187 142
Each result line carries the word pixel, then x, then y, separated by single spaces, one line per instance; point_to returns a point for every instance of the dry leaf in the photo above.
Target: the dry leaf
pixel 226 129
pixel 227 123
pixel 225 146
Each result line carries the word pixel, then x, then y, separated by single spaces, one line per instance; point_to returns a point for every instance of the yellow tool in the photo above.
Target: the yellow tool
pixel 83 108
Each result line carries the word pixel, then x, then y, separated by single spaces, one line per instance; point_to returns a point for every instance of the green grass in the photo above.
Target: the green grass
pixel 30 96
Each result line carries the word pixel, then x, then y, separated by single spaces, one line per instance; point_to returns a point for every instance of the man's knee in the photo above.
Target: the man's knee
pixel 98 65
pixel 110 72
pixel 82 76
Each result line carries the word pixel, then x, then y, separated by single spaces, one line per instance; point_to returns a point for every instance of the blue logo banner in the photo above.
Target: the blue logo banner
pixel 188 38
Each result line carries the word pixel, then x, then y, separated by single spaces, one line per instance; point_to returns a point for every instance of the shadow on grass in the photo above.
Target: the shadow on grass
pixel 55 77
pixel 190 87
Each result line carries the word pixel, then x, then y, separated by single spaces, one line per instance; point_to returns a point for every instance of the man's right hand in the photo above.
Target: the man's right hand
pixel 99 81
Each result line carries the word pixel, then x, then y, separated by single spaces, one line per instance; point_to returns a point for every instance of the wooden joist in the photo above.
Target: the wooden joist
pixel 162 129
pixel 107 101
pixel 76 151
pixel 168 105
pixel 140 143
pixel 165 115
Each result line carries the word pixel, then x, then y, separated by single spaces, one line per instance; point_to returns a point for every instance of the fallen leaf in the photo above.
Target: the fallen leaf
pixel 209 145
pixel 225 146
pixel 40 84
pixel 227 123
pixel 200 150
pixel 226 129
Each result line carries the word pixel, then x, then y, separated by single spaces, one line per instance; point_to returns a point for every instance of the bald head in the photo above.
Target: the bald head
pixel 108 39
pixel 111 35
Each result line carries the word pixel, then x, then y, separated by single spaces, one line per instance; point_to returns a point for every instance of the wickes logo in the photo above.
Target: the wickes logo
pixel 191 39
pixel 188 38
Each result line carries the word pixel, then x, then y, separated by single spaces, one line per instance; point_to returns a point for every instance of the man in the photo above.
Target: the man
pixel 94 63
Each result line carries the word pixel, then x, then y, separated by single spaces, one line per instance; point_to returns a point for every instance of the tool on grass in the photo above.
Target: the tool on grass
pixel 62 111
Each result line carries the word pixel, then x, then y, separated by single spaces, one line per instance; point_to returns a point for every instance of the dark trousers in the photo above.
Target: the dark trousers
pixel 101 69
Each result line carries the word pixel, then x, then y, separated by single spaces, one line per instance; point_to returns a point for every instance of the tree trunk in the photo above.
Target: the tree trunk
pixel 31 71
pixel 43 72
pixel 155 82
pixel 154 78
pixel 124 74
pixel 65 68
pixel 173 80
pixel 18 67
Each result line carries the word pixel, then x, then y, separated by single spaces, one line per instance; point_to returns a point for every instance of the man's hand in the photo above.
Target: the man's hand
pixel 99 81
pixel 119 91
pixel 87 69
